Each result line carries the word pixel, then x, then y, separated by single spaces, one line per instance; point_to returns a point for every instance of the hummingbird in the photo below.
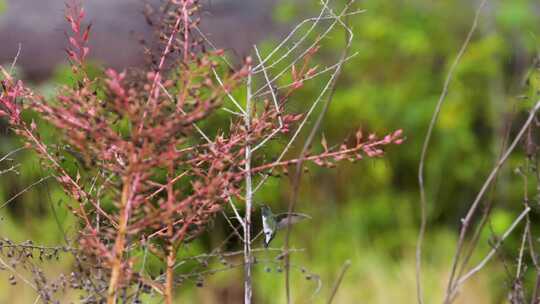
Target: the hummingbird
pixel 273 222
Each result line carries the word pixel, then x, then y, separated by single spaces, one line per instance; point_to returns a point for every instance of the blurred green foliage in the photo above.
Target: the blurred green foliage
pixel 368 212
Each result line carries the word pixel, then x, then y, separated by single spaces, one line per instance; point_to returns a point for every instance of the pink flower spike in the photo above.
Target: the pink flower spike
pixel 74 42
pixel 85 52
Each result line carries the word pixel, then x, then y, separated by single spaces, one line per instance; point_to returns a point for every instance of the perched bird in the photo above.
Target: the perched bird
pixel 273 222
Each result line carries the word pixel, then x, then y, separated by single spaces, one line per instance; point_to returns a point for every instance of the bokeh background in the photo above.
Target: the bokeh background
pixel 367 212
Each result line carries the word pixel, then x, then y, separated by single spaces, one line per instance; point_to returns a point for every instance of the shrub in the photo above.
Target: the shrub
pixel 154 177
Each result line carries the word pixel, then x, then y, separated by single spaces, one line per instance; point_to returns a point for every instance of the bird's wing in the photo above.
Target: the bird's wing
pixel 283 219
pixel 267 231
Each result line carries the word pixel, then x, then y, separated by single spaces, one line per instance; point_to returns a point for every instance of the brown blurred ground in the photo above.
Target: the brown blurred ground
pixel 39 26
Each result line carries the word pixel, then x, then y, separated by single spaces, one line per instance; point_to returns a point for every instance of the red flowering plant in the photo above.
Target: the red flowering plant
pixel 161 177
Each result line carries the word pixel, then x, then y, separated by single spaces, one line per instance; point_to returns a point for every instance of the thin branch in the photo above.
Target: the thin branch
pixel 344 269
pixel 236 213
pixel 154 91
pixel 210 43
pixel 427 140
pixel 486 259
pixel 468 218
pixel 308 77
pixel 12 270
pixel 37 299
pixel 522 250
pixel 183 112
pixel 308 49
pixel 24 190
pixel 11 153
pixel 232 226
pixel 234 101
pixel 232 112
pixel 298 174
pixel 248 257
pixel 275 101
pixel 15 59
pixel 488 206
pixel 302 124
pixel 289 36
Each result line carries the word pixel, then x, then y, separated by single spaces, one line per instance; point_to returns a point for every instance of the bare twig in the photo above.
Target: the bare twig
pixel 248 292
pixel 427 140
pixel 295 45
pixel 319 73
pixel 468 218
pixel 39 181
pixel 344 269
pixel 492 252
pixel 487 208
pixel 14 63
pixel 236 213
pixel 7 155
pixel 309 48
pixel 298 173
pixel 274 100
pixel 229 95
pixel 183 112
pixel 522 250
pixel 308 114
pixel 16 273
pixel 232 226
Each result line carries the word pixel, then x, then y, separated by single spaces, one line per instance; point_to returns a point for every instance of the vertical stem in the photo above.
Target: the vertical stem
pixel 119 244
pixel 248 292
pixel 338 281
pixel 185 16
pixel 169 283
pixel 172 248
pixel 421 165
